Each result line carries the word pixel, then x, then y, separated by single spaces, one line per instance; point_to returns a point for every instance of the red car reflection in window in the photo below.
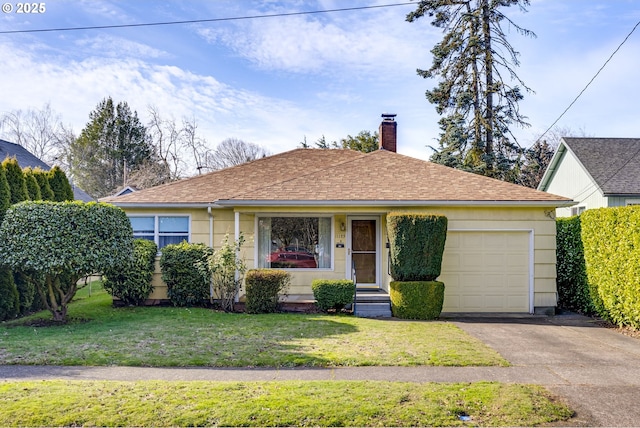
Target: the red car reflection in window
pixel 293 258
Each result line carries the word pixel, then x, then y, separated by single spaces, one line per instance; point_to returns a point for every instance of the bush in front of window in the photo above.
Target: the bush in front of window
pixel 132 283
pixel 184 271
pixel 263 287
pixel 333 294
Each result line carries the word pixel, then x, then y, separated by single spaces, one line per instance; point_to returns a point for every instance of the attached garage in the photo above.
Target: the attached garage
pixel 487 271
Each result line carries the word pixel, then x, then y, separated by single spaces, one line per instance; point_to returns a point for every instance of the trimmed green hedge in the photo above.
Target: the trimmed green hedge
pixel 132 283
pixel 416 300
pixel 263 287
pixel 333 293
pixel 416 245
pixel 611 240
pixel 184 270
pixel 573 287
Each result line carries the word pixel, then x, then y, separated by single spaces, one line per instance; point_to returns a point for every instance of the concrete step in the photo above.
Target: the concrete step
pixel 373 310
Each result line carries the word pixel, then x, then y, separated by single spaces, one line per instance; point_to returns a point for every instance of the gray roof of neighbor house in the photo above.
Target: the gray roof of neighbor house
pixel 339 177
pixel 26 159
pixel 612 163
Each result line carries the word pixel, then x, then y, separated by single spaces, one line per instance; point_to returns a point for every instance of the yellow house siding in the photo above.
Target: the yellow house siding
pixel 538 220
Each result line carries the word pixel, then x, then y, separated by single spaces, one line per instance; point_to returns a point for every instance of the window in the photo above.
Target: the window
pixel 577 210
pixel 163 230
pixel 294 242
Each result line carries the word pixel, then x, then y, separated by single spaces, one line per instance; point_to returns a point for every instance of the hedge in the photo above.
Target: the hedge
pixel 9 299
pixel 132 283
pixel 184 270
pixel 416 245
pixel 333 293
pixel 573 287
pixel 263 287
pixel 419 300
pixel 611 240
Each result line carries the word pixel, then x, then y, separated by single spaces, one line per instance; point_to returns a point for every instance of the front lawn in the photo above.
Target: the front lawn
pixel 100 334
pixel 322 403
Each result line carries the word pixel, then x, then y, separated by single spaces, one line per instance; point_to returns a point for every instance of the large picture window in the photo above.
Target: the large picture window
pixel 294 242
pixel 163 230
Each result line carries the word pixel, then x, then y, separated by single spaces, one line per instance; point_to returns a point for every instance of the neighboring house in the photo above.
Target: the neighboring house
pixel 594 172
pixel 26 159
pixel 125 191
pixel 317 212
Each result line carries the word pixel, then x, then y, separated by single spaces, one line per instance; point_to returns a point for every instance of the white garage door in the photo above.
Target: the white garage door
pixel 486 271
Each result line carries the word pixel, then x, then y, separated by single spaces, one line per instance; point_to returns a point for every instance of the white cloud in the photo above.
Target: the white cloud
pixel 348 43
pixel 118 47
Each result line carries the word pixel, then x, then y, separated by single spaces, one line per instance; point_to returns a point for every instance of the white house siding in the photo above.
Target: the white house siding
pixel 572 181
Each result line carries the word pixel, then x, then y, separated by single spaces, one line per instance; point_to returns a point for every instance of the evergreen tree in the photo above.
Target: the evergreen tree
pixel 112 144
pixel 5 194
pixel 365 142
pixel 15 178
pixel 9 300
pixel 478 106
pixel 42 177
pixel 59 184
pixel 33 188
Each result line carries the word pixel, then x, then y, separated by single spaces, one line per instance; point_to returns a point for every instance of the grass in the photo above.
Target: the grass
pixel 100 334
pixel 322 403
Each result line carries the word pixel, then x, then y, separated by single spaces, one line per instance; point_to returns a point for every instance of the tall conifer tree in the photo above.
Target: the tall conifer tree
pixel 478 90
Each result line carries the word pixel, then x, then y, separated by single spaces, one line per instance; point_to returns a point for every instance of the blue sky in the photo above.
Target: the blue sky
pixel 273 81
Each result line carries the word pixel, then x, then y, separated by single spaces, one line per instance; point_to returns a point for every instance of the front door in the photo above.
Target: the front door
pixel 364 250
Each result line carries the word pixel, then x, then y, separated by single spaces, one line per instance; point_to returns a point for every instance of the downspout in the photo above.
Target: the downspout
pixel 237 237
pixel 211 245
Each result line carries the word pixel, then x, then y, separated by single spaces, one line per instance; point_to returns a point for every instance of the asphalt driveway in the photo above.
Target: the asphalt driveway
pixel 595 369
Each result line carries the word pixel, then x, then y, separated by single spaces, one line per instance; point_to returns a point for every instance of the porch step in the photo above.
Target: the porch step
pixel 372 304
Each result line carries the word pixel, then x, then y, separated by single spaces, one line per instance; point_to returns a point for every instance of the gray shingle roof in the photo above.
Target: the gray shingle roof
pixel 614 163
pixel 26 159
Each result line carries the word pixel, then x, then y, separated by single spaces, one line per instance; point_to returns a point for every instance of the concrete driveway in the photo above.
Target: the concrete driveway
pixel 597 370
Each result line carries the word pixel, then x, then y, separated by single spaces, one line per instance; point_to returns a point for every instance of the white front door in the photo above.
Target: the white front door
pixel 363 249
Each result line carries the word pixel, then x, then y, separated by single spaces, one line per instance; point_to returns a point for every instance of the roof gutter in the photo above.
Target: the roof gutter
pixel 165 205
pixel 380 203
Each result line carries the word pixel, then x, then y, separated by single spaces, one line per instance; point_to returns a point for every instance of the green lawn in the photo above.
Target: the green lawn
pixel 326 403
pixel 100 334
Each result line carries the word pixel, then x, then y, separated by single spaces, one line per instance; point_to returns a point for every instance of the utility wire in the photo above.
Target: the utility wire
pixel 590 81
pixel 197 21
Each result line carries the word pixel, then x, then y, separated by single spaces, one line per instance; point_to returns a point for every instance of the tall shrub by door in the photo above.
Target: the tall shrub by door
pixel 416 248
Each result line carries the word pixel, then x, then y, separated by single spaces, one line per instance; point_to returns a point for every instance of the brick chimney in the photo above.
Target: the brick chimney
pixel 387 132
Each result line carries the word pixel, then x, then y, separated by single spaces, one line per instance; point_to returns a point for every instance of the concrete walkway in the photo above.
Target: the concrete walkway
pixel 596 370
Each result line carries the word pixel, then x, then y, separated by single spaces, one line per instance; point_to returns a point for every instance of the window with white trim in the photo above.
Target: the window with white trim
pixel 162 229
pixel 294 242
pixel 577 210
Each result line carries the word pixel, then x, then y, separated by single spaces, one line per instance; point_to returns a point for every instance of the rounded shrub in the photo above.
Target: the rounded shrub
pixel 416 245
pixel 184 270
pixel 132 283
pixel 416 300
pixel 333 293
pixel 263 287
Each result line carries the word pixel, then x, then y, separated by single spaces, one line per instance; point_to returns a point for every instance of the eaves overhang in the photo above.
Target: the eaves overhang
pixel 164 205
pixel 394 203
